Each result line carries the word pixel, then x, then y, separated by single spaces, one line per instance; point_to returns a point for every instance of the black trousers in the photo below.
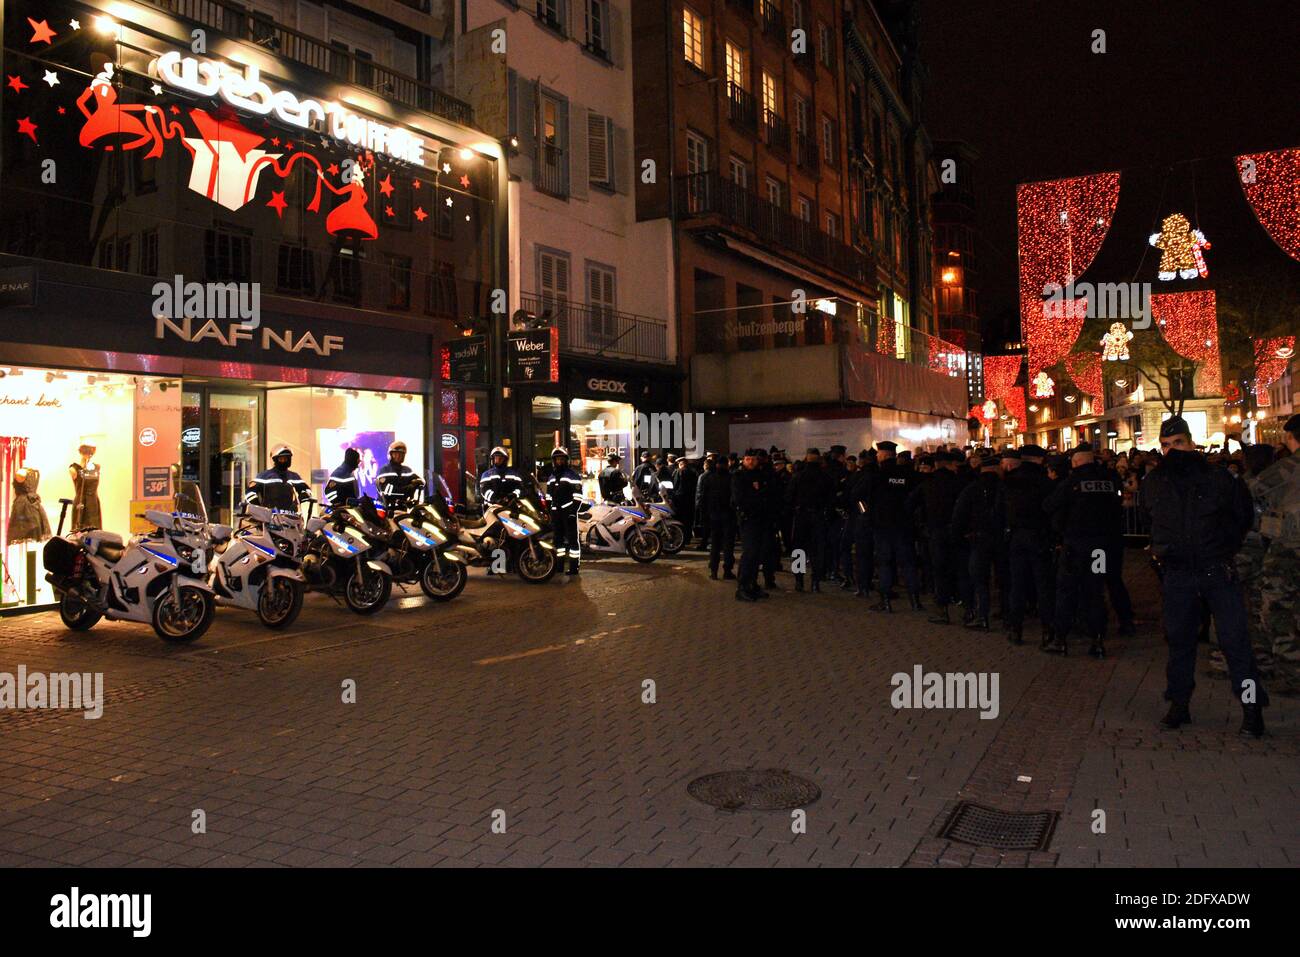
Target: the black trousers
pixel 809 534
pixel 771 550
pixel 1186 591
pixel 1115 587
pixel 864 547
pixel 894 547
pixel 943 565
pixel 564 526
pixel 1030 557
pixel 848 538
pixel 979 565
pixel 722 543
pixel 1078 585
pixel 755 536
pixel 831 544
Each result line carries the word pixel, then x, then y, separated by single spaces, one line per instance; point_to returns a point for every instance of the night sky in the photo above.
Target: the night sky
pixel 1017 80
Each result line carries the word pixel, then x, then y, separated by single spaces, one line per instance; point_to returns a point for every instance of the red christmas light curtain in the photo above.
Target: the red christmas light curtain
pixel 1189 324
pixel 1062 224
pixel 1015 405
pixel 1271 358
pixel 1271 182
pixel 1000 373
pixel 1085 370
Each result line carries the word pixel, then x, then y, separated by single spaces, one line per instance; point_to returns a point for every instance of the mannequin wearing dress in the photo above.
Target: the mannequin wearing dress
pixel 85 478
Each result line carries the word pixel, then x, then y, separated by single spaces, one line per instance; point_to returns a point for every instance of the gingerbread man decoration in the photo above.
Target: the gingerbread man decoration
pixel 1181 246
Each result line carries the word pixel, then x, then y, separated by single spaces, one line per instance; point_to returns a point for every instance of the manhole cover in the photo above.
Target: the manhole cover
pixel 1007 831
pixel 767 790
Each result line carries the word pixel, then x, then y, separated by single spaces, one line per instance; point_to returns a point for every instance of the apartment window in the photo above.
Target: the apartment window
pixel 551 13
pixel 441 300
pixel 600 150
pixel 345 275
pixel 598 27
pixel 805 209
pixel 553 165
pixel 124 254
pixel 697 153
pixel 149 252
pixel 736 66
pixel 739 172
pixel 832 226
pixel 399 282
pixel 553 278
pixel 775 192
pixel 771 102
pixel 602 301
pixel 227 255
pixel 796 14
pixel 295 269
pixel 830 140
pixel 824 49
pixel 693 38
pixel 801 115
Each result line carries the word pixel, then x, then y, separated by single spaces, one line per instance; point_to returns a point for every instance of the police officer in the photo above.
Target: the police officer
pixel 1199 518
pixel 1024 493
pixel 977 521
pixel 858 499
pixel 499 482
pixel 564 489
pixel 397 481
pixel 750 494
pixel 771 557
pixel 278 487
pixel 935 499
pixel 835 529
pixel 1088 514
pixel 343 485
pixel 844 509
pixel 891 526
pixel 611 481
pixel 1278 504
pixel 646 475
pixel 714 506
pixel 811 495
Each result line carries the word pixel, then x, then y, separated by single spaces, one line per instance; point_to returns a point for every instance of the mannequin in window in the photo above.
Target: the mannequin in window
pixel 85 478
pixel 27 519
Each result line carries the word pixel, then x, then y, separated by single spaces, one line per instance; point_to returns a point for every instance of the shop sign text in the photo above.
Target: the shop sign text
pixel 231 334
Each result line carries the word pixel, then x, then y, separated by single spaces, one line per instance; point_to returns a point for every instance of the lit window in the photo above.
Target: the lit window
pixel 693 38
pixel 736 66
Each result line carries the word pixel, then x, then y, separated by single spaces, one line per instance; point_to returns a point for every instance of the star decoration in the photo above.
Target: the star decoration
pixel 415 184
pixel 420 214
pixel 51 78
pixel 176 111
pixel 288 146
pixel 156 89
pixel 388 211
pixel 446 167
pixel 448 200
pixel 16 84
pixel 277 203
pixel 464 182
pixel 75 24
pixel 62 111
pixel 333 169
pixel 275 141
pixel 41 32
pixel 386 186
pixel 27 128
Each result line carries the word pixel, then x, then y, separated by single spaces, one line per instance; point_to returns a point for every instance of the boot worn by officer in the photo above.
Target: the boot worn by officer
pixel 915 601
pixel 1057 646
pixel 977 623
pixel 883 604
pixel 798 583
pixel 742 595
pixel 1252 721
pixel 1097 649
pixel 1177 716
pixel 1016 635
pixel 728 575
pixel 940 617
pixel 817 587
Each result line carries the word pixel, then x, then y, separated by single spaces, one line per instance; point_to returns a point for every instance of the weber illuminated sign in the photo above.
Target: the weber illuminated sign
pixel 247 91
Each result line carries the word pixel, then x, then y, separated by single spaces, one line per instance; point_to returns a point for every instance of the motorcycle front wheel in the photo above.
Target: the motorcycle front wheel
pixel 674 539
pixel 185 619
pixel 536 565
pixel 367 594
pixel 644 545
pixel 280 602
pixel 76 614
pixel 444 584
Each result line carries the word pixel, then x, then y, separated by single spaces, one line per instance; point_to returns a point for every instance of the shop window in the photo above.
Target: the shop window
pixel 597 428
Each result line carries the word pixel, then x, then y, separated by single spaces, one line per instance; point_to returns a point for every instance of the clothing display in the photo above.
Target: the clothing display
pixel 85 508
pixel 27 519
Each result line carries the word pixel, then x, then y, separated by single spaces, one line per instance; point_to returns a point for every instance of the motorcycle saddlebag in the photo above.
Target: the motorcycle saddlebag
pixel 60 557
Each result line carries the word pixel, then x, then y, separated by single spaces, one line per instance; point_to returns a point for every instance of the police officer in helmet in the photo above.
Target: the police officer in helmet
pixel 398 482
pixel 279 486
pixel 564 488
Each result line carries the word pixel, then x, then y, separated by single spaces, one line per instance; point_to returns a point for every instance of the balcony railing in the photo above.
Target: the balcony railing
pixel 807 152
pixel 742 108
pixel 243 24
pixel 776 132
pixel 773 22
pixel 550 172
pixel 703 195
pixel 596 330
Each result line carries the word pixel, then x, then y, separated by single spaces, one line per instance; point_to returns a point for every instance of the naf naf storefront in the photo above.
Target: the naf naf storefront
pixel 209 253
pixel 592 410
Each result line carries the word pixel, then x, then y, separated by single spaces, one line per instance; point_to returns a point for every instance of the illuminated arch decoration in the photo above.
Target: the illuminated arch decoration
pixel 1085 370
pixel 1000 374
pixel 1271 359
pixel 1014 401
pixel 1271 182
pixel 1189 323
pixel 1061 226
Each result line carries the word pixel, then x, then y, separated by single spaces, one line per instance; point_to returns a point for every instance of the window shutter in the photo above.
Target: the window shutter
pixel 614 33
pixel 566 145
pixel 579 141
pixel 621 165
pixel 523 123
pixel 598 148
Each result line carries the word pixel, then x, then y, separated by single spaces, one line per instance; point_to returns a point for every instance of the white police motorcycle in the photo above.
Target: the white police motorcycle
pixel 617 529
pixel 257 568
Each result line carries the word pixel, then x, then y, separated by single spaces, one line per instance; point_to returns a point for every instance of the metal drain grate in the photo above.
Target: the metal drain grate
pixel 771 789
pixel 1004 830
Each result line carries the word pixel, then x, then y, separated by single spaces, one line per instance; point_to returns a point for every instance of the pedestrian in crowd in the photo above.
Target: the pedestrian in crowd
pixel 835 526
pixel 1248 561
pixel 977 521
pixel 1277 495
pixel 858 496
pixel 715 508
pixel 810 495
pixel 891 527
pixel 771 556
pixel 1199 519
pixel 842 506
pixel 751 496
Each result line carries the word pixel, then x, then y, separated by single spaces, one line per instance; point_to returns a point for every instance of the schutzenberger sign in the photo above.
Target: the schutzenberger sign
pixel 249 92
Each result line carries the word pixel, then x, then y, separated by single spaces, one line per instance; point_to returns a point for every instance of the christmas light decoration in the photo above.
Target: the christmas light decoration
pixel 1189 324
pixel 1271 182
pixel 990 411
pixel 1061 225
pixel 1015 404
pixel 1114 344
pixel 1181 245
pixel 1271 358
pixel 1044 387
pixel 1000 374
pixel 1085 370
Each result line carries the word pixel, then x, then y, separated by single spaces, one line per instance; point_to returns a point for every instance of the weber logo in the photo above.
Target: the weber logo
pixel 607 385
pixel 130 911
pixel 1097 486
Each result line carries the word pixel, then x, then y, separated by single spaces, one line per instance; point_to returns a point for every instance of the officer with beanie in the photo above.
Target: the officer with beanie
pixel 1199 518
pixel 343 484
pixel 564 489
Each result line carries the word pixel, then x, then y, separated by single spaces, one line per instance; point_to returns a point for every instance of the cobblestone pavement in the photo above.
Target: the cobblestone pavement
pixel 529 701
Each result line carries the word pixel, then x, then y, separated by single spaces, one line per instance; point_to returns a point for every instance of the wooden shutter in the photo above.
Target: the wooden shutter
pixel 598 148
pixel 622 166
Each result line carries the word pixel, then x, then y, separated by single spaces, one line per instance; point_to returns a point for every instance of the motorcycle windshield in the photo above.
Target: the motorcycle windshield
pixel 188 501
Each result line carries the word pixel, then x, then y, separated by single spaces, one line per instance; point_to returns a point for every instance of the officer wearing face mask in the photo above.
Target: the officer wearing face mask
pixel 279 486
pixel 344 484
pixel 398 482
pixel 1199 518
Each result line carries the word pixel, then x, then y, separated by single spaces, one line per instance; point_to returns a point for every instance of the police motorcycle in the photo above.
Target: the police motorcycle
pixel 158 577
pixel 662 520
pixel 342 553
pixel 515 524
pixel 422 544
pixel 257 567
pixel 619 529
